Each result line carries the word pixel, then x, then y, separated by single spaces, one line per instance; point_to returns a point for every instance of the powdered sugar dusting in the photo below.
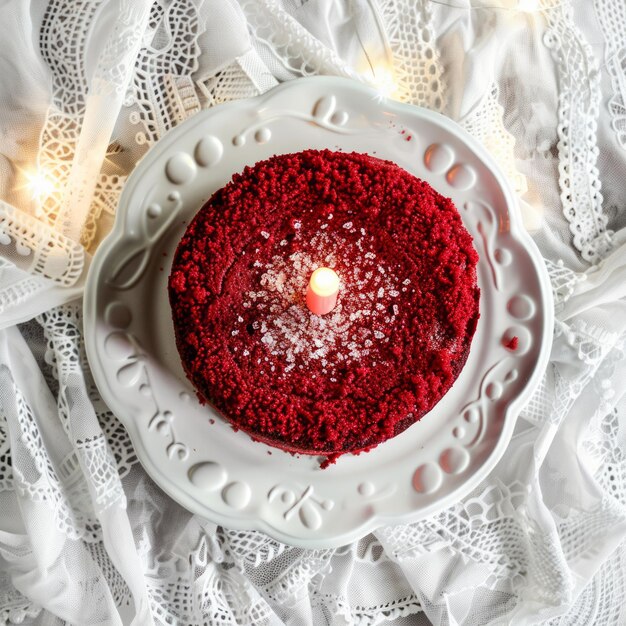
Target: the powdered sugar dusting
pixel 295 337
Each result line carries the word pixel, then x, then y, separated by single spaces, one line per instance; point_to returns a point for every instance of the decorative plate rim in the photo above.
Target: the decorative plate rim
pixel 512 408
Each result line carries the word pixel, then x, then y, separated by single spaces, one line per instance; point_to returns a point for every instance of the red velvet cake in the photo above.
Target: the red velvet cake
pixel 383 357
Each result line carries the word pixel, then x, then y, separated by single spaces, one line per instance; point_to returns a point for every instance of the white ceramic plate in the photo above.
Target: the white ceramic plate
pixel 190 451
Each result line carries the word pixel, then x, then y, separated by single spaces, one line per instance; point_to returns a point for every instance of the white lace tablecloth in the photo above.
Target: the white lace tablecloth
pixel 86 87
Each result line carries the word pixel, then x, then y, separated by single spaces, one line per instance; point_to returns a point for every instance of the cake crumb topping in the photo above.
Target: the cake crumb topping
pixel 392 347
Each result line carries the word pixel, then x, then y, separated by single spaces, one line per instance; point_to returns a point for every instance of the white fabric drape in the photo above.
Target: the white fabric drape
pixel 86 87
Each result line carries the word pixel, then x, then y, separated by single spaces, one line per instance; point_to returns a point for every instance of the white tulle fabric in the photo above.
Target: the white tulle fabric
pixel 86 87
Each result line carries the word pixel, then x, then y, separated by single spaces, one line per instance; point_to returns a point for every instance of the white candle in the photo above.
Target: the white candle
pixel 321 294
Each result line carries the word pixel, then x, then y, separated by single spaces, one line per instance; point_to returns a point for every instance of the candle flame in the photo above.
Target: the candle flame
pixel 324 281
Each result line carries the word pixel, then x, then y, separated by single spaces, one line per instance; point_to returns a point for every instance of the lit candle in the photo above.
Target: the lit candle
pixel 321 294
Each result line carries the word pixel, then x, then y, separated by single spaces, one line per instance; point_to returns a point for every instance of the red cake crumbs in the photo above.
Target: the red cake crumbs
pixel 512 343
pixel 392 347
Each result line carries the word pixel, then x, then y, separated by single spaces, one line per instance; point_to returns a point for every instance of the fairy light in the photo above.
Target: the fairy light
pixel 528 6
pixel 384 82
pixel 39 184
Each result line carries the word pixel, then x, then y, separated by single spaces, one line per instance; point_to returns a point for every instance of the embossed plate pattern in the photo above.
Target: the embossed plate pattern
pixel 188 449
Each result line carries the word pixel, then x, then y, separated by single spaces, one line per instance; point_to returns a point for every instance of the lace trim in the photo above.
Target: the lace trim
pixel 358 615
pixel 604 446
pixel 563 281
pixel 100 470
pixel 294 47
pixel 416 65
pixel 579 99
pixel 62 329
pixel 36 260
pixel 38 249
pixel 6 471
pixel 555 395
pixel 162 90
pixel 117 439
pixel 18 287
pixel 17 611
pixel 14 606
pixel 602 440
pixel 476 529
pixel 591 343
pixel 103 463
pixel 65 354
pixel 105 201
pixel 297 575
pixel 198 590
pixel 47 485
pixel 612 17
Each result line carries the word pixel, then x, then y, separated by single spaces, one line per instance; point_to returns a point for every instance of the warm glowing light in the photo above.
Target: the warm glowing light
pixel 384 82
pixel 39 184
pixel 528 5
pixel 321 295
pixel 324 281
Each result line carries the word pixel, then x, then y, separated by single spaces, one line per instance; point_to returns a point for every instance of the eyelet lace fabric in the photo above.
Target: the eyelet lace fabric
pixel 162 90
pixel 289 42
pixel 86 537
pixel 579 100
pixel 417 68
pixel 612 16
